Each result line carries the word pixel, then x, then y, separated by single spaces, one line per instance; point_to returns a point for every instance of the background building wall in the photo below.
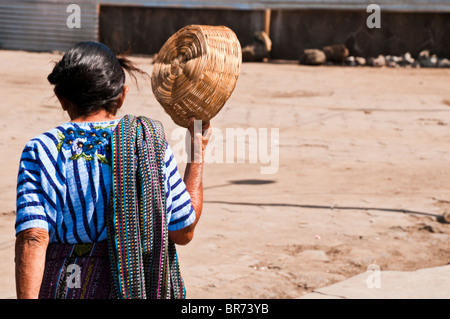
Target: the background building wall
pixel 295 30
pixel 42 25
pixel 143 26
pixel 144 30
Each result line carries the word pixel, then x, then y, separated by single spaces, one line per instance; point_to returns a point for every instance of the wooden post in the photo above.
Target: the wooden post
pixel 267 21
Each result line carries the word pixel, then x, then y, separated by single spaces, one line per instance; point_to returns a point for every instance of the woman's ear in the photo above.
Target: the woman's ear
pixel 122 97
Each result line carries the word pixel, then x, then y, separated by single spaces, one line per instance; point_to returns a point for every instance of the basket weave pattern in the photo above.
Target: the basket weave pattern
pixel 196 71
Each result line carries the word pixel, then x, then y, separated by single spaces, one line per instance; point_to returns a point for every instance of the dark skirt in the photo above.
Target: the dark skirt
pixel 77 271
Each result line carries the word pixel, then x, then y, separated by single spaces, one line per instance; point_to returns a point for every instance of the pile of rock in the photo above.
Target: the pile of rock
pixel 355 61
pixel 332 54
pixel 339 54
pixel 424 60
pixel 259 49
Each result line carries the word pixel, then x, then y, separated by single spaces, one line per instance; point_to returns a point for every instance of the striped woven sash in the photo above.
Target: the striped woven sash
pixel 143 259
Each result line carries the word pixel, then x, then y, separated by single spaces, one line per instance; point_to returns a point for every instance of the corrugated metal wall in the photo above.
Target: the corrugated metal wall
pixel 389 5
pixel 40 25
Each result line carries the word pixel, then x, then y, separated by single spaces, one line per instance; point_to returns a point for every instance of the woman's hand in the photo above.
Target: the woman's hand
pixel 197 139
pixel 196 142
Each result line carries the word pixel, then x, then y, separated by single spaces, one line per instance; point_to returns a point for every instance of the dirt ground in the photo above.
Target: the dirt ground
pixel 362 179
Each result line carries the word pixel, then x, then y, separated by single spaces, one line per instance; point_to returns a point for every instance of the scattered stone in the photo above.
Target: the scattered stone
pixel 253 53
pixel 379 61
pixel 407 59
pixel 430 62
pixel 427 60
pixel 259 49
pixel 351 61
pixel 339 54
pixel 425 54
pixel 360 60
pixel 355 61
pixel 443 63
pixel 392 61
pixel 336 53
pixel 313 57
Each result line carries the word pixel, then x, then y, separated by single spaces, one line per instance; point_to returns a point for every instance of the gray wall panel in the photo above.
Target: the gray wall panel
pixel 42 25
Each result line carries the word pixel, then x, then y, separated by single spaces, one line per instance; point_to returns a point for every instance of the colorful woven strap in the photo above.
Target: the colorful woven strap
pixel 143 260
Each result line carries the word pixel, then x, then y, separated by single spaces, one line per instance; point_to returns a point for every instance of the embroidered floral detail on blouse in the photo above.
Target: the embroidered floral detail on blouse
pixel 89 144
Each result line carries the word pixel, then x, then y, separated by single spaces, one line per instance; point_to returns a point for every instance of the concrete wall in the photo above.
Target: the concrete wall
pixel 145 29
pixel 400 32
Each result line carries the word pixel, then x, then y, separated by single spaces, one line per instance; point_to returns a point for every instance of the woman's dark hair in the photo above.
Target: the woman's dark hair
pixel 91 77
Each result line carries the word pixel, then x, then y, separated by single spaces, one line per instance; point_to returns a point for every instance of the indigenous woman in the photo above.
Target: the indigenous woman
pixel 100 201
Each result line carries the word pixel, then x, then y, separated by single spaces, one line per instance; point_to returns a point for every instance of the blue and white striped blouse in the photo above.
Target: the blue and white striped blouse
pixel 64 183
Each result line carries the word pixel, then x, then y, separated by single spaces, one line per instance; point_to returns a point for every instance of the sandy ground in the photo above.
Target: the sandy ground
pixel 363 174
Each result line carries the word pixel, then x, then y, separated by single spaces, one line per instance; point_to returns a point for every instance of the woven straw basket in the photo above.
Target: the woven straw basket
pixel 196 71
